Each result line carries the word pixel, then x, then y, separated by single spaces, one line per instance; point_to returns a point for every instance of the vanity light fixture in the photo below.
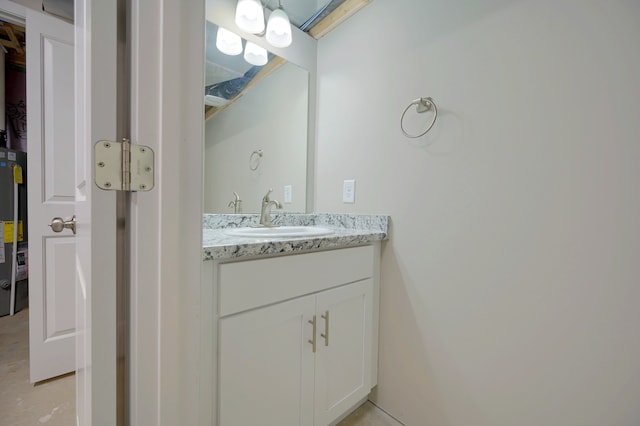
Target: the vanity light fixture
pixel 255 54
pixel 279 28
pixel 228 43
pixel 250 18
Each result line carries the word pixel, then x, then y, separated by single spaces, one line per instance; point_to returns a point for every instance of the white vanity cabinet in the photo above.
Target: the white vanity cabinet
pixel 296 337
pixel 266 371
pixel 343 349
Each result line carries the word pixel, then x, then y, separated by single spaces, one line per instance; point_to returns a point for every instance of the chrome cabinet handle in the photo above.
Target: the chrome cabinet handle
pixel 325 335
pixel 313 339
pixel 58 224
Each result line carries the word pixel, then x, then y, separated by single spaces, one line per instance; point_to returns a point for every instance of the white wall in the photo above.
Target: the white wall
pixel 272 116
pixel 511 281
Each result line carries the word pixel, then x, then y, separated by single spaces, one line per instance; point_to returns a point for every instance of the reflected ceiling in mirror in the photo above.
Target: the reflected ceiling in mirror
pixel 238 69
pixel 220 67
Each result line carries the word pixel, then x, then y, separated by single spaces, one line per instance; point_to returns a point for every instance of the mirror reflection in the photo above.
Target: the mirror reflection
pixel 255 132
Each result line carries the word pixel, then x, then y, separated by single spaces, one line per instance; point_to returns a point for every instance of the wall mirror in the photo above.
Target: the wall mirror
pixel 258 141
pixel 260 117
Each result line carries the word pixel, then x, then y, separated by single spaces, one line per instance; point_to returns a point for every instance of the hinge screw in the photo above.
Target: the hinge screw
pixel 143 186
pixel 101 164
pixel 147 169
pixel 143 150
pixel 107 145
pixel 107 184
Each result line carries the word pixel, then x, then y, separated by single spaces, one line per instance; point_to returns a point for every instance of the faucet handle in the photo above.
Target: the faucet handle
pixel 266 198
pixel 236 204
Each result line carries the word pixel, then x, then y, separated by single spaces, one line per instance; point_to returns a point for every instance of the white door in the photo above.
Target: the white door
pixel 51 193
pixel 95 90
pixel 157 391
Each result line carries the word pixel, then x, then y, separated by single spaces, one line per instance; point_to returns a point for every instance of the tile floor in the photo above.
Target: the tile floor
pixel 52 403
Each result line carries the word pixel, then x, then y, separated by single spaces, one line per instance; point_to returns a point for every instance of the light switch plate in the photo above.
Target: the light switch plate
pixel 349 191
pixel 287 194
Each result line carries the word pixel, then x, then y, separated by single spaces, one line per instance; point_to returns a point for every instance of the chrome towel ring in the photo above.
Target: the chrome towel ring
pixel 422 105
pixel 254 159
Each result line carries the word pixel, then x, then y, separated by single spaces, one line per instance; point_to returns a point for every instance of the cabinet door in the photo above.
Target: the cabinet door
pixel 343 357
pixel 266 366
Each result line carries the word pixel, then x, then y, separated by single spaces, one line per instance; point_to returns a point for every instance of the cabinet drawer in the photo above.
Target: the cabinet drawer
pixel 253 283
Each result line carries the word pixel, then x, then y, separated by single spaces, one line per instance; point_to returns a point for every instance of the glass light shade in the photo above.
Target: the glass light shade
pixel 250 16
pixel 279 29
pixel 228 42
pixel 255 54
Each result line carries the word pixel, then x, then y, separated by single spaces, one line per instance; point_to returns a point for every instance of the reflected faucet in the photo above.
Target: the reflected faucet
pixel 265 214
pixel 236 204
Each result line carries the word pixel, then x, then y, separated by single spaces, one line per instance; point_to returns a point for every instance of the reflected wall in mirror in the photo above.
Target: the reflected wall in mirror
pixel 259 141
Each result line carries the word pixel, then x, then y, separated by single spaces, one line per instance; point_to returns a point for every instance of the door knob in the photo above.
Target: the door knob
pixel 58 224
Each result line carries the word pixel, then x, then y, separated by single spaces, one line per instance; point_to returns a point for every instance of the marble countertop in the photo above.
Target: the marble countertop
pixel 349 230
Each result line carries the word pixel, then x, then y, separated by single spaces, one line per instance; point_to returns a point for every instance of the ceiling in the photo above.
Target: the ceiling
pixel 12 38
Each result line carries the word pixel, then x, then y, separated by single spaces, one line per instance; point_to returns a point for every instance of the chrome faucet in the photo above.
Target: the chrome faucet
pixel 236 204
pixel 265 214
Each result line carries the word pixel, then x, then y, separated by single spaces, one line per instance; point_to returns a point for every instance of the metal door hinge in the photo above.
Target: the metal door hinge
pixel 121 166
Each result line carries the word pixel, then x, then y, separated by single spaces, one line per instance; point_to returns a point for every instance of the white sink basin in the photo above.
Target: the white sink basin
pixel 279 232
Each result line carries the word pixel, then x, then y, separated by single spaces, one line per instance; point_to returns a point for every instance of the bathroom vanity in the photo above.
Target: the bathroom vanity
pixel 289 324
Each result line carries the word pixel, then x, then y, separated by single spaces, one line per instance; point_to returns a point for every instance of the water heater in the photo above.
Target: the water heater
pixel 8 160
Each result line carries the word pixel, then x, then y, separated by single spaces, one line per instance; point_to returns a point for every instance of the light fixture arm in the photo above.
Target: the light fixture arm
pixel 265 4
